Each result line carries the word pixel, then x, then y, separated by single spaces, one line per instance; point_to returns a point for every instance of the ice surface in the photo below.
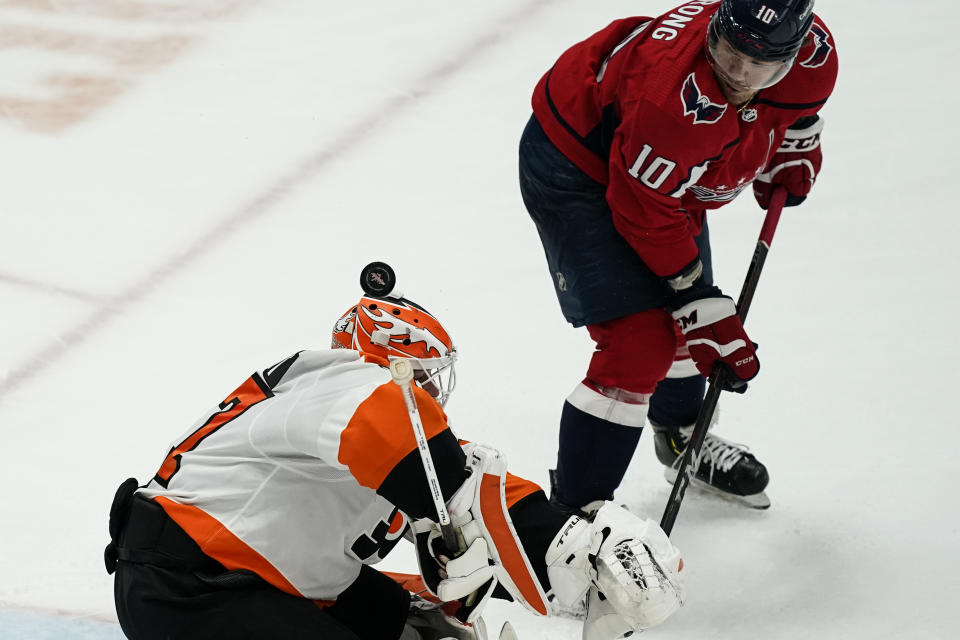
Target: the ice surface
pixel 189 195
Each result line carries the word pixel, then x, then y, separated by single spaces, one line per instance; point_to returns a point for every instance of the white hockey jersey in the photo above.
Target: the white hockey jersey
pixel 282 477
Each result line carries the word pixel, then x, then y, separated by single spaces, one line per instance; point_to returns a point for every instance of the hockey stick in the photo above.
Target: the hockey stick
pixel 379 279
pixel 402 373
pixel 687 469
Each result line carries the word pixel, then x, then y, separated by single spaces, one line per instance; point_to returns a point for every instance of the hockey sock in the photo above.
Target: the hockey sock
pixel 593 456
pixel 676 401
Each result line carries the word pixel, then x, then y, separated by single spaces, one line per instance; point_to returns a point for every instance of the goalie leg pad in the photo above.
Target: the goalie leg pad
pixel 482 502
pixel 568 564
pixel 491 552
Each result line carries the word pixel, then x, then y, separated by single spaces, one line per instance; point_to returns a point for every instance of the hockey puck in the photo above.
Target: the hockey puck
pixel 377 279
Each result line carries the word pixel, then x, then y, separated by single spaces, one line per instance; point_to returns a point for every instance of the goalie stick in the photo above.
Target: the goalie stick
pixel 379 279
pixel 691 457
pixel 402 373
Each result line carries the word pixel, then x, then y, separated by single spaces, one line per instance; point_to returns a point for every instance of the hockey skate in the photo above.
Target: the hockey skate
pixel 726 469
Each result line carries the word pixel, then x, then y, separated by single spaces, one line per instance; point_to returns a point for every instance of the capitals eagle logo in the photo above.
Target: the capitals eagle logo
pixel 821 50
pixel 699 105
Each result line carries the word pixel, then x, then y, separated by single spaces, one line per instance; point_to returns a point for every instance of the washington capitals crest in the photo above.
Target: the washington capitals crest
pixel 699 105
pixel 821 50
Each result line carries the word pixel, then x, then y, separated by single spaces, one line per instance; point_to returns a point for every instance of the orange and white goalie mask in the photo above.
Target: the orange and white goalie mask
pixel 387 328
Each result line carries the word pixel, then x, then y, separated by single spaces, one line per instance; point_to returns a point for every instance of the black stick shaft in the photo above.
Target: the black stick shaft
pixel 687 470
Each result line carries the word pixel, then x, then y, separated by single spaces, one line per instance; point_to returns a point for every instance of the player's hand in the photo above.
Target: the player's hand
pixel 466 573
pixel 467 577
pixel 715 337
pixel 795 165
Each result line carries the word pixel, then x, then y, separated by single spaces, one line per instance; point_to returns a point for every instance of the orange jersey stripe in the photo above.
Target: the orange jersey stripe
pixel 379 434
pixel 412 582
pixel 511 556
pixel 518 488
pixel 244 397
pixel 219 543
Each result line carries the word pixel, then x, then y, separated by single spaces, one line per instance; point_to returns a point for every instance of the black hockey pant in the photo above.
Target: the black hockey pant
pixel 167 588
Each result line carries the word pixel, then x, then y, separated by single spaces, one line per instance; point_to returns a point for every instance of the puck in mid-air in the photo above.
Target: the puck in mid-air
pixel 377 279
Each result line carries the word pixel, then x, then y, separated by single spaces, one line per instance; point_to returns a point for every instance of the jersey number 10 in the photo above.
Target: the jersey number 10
pixel 656 172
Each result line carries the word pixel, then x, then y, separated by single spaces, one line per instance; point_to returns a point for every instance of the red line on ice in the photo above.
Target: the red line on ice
pixel 360 131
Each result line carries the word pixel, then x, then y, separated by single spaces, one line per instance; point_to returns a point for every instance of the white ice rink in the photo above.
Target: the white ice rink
pixel 188 191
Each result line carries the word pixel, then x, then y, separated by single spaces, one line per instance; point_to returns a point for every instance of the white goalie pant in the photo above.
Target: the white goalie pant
pixel 626 567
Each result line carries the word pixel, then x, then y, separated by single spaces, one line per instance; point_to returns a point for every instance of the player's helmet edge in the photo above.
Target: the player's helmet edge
pixel 768 30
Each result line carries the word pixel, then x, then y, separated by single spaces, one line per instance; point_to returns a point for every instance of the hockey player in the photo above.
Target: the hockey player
pixel 264 518
pixel 636 132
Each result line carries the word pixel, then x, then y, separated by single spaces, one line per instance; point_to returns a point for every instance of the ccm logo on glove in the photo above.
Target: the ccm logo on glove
pixel 715 336
pixel 686 322
pixel 795 165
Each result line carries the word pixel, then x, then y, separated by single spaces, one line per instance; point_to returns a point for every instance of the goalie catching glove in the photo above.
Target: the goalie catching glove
pixel 491 551
pixel 626 567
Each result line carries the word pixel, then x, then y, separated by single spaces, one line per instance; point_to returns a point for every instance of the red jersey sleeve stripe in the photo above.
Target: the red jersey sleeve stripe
pixel 379 434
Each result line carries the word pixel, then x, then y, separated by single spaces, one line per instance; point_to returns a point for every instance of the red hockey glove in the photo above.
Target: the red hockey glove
pixel 715 336
pixel 795 165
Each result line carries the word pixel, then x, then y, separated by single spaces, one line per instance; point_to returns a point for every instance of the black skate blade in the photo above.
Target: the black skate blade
pixel 758 501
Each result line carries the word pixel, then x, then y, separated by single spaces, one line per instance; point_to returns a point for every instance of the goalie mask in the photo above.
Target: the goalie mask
pixel 386 328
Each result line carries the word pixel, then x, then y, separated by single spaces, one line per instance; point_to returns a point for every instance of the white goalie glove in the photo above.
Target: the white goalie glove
pixel 626 567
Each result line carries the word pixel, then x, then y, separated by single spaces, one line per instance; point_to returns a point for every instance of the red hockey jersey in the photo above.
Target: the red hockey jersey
pixel 637 107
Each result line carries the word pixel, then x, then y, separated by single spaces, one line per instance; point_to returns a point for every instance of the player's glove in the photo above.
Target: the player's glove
pixel 713 331
pixel 795 165
pixel 453 576
pixel 715 336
